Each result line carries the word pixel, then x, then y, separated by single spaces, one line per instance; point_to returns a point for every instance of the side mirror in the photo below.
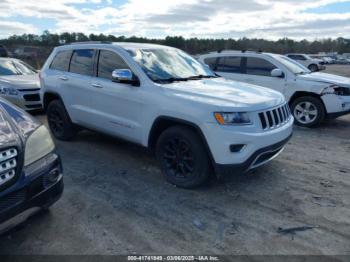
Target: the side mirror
pixel 277 73
pixel 125 76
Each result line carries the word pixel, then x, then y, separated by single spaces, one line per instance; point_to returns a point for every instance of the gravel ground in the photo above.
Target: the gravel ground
pixel 116 202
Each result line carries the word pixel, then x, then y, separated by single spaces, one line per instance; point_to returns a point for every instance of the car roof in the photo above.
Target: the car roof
pixel 123 45
pixel 233 52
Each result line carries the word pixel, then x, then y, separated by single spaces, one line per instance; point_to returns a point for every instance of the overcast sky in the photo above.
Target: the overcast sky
pixel 270 19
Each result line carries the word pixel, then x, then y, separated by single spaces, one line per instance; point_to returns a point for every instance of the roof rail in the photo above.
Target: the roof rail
pixel 90 42
pixel 240 51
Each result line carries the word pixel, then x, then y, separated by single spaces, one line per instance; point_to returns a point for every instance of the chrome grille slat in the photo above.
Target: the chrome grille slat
pixel 8 165
pixel 275 117
pixel 7 154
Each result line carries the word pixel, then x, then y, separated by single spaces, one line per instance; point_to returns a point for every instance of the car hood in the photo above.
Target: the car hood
pixel 21 81
pixel 226 93
pixel 326 78
pixel 15 124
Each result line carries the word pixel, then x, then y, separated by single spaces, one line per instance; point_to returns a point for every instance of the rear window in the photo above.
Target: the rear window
pixel 211 62
pixel 82 62
pixel 229 64
pixel 258 66
pixel 61 61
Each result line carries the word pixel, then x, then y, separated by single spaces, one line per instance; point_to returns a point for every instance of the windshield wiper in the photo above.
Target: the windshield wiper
pixel 170 79
pixel 198 77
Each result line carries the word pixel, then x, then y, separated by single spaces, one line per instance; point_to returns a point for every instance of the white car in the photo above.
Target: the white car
pixel 20 84
pixel 313 64
pixel 163 99
pixel 312 96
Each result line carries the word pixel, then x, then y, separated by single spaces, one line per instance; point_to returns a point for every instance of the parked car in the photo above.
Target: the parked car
pixel 27 52
pixel 163 99
pixel 342 61
pixel 312 64
pixel 3 51
pixel 30 169
pixel 328 60
pixel 20 84
pixel 312 96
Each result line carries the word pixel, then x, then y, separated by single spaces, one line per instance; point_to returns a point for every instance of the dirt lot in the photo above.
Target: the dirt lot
pixel 116 202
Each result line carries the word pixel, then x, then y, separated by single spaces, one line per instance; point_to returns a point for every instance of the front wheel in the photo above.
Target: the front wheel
pixel 59 121
pixel 313 68
pixel 183 158
pixel 308 111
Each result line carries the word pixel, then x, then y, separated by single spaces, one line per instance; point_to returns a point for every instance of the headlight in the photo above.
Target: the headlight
pixel 337 90
pixel 38 145
pixel 8 91
pixel 236 118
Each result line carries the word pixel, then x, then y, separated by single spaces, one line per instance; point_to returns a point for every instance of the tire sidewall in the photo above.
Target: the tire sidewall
pixel 69 130
pixel 320 109
pixel 201 159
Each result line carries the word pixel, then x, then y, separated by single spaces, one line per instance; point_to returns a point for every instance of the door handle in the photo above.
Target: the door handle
pixel 97 85
pixel 63 78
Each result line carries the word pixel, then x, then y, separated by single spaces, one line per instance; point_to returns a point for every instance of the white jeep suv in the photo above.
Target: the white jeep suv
pixel 313 64
pixel 163 99
pixel 312 97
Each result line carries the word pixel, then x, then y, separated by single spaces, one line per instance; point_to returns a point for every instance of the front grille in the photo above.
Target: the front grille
pixel 274 118
pixel 8 164
pixel 12 200
pixel 32 97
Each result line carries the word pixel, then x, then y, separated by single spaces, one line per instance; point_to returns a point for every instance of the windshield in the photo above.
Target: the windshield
pixel 8 68
pixel 292 65
pixel 168 65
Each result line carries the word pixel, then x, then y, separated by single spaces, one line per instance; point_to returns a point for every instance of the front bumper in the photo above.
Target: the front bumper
pixel 220 139
pixel 336 105
pixel 29 100
pixel 260 157
pixel 35 188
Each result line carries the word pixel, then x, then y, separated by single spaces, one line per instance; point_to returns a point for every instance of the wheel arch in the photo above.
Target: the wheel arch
pixel 49 97
pixel 161 123
pixel 299 94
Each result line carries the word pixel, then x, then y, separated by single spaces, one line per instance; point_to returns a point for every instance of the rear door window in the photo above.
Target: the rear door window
pixel 61 60
pixel 82 62
pixel 229 64
pixel 108 61
pixel 259 66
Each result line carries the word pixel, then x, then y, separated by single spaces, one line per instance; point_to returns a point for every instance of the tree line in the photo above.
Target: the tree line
pixel 191 45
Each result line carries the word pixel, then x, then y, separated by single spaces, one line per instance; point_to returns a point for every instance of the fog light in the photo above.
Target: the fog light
pixel 53 175
pixel 236 148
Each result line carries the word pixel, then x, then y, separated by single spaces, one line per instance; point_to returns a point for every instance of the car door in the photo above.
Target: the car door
pixel 116 107
pixel 74 85
pixel 258 72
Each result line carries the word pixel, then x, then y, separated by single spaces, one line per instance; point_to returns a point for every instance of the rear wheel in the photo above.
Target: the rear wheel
pixel 183 157
pixel 308 111
pixel 59 122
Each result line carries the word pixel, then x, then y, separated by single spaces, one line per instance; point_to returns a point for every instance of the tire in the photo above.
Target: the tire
pixel 183 158
pixel 313 68
pixel 59 121
pixel 308 111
